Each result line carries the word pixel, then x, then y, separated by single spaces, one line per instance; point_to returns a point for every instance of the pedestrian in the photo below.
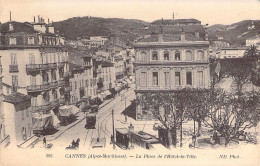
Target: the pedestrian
pixel 112 139
pixel 44 141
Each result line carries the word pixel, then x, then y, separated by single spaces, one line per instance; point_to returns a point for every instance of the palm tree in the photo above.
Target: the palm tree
pixel 251 52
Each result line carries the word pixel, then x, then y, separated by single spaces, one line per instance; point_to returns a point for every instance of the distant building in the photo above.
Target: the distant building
pixel 232 52
pixel 172 61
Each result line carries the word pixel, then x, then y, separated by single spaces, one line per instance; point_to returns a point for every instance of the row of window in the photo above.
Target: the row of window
pixel 166 56
pixel 166 77
pixel 45 58
pixel 31 40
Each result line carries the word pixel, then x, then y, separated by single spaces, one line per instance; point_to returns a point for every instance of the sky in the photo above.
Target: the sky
pixel 207 11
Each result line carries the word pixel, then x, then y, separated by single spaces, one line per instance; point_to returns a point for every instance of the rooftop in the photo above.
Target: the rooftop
pixel 176 21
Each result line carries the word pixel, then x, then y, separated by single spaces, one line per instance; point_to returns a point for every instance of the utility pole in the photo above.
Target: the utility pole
pixel 113 129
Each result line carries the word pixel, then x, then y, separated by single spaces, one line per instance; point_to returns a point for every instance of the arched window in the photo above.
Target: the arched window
pixel 166 55
pixel 200 55
pixel 154 55
pixel 177 56
pixel 189 55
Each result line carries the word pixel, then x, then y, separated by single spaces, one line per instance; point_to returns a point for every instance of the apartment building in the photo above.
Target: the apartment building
pixel 36 63
pixel 166 62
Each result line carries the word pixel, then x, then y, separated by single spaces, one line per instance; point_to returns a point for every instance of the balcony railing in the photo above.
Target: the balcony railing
pixel 61 83
pixel 38 88
pixel 13 68
pixel 43 107
pixel 36 67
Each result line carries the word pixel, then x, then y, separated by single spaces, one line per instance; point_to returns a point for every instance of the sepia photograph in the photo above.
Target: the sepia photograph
pixel 129 82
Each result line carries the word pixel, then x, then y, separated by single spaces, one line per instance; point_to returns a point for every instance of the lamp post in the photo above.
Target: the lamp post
pixel 131 130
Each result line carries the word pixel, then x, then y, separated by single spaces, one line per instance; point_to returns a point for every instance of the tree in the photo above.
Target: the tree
pixel 228 114
pixel 197 109
pixel 168 107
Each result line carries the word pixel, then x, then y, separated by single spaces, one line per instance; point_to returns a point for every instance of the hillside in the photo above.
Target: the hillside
pixel 95 26
pixel 235 33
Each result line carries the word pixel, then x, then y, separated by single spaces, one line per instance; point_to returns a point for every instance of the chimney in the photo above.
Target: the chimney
pixel 48 21
pixel 172 15
pixel 39 20
pixel 34 19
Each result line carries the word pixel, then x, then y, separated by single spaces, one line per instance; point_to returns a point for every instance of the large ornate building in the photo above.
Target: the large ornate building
pixel 170 60
pixel 36 64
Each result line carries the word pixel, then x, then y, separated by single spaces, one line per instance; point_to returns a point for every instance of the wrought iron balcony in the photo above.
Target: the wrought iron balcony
pixel 38 88
pixel 13 68
pixel 36 67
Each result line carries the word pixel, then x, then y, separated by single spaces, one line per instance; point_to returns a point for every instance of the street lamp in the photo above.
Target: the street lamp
pixel 131 130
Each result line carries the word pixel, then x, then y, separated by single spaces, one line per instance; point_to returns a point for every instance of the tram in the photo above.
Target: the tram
pixel 90 121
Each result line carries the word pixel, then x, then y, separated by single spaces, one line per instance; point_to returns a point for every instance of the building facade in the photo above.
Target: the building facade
pixel 4 137
pixel 36 63
pixel 166 62
pixel 231 52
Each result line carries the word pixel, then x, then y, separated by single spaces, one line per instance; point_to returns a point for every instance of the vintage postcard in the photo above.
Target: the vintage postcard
pixel 129 82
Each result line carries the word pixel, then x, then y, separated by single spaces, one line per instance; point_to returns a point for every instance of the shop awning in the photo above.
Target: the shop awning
pixel 118 88
pixel 41 121
pixel 68 110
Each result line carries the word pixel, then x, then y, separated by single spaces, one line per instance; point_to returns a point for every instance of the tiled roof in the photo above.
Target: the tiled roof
pixel 18 27
pixel 16 97
pixel 175 21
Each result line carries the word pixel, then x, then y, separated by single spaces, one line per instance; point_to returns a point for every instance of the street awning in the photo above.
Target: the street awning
pixel 68 110
pixel 100 96
pixel 41 121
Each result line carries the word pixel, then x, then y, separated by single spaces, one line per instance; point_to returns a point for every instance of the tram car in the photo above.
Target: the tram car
pixel 90 121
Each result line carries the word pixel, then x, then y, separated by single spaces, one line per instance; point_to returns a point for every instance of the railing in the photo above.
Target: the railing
pixel 53 84
pixel 36 88
pixel 35 67
pixel 61 83
pixel 13 68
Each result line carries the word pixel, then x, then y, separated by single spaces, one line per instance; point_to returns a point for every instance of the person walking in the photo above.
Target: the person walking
pixel 44 141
